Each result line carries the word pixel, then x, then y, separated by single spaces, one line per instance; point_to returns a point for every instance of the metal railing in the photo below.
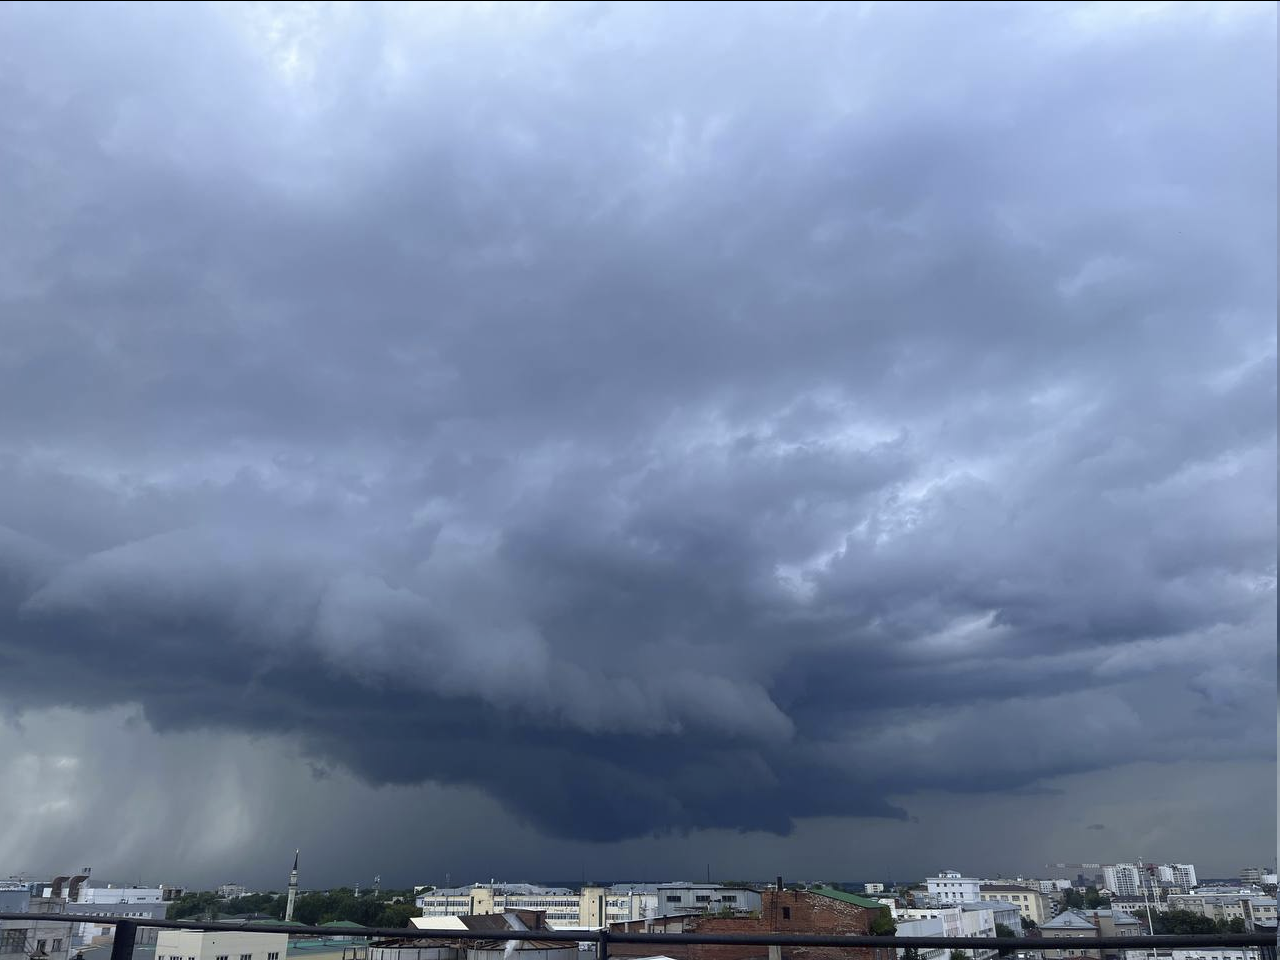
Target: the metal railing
pixel 126 931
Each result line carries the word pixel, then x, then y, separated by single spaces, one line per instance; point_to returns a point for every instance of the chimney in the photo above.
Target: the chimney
pixel 779 884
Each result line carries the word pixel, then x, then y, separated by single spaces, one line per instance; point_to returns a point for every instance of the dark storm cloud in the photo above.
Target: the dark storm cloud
pixel 653 418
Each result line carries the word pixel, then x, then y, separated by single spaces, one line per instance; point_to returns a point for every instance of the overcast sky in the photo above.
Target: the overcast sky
pixel 613 441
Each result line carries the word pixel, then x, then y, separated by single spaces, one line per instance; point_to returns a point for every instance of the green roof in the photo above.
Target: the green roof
pixel 278 923
pixel 343 923
pixel 848 897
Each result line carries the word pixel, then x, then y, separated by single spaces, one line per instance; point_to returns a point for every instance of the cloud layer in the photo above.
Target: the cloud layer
pixel 651 418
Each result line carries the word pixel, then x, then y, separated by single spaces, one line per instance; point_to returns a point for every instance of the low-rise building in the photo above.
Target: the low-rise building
pixel 820 911
pixel 445 949
pixel 1250 904
pixel 220 945
pixel 1032 904
pixel 22 939
pixel 591 907
pixel 974 919
pixel 1207 953
pixel 700 897
pixel 1070 925
pixel 950 887
pixel 1077 924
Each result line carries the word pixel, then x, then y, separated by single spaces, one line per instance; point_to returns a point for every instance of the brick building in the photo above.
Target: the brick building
pixel 824 912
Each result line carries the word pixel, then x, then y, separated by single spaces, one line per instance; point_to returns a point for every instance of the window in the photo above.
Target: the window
pixel 42 946
pixel 222 957
pixel 786 913
pixel 673 898
pixel 12 941
pixel 702 898
pixel 273 956
pixel 730 898
pixel 57 944
pixel 243 956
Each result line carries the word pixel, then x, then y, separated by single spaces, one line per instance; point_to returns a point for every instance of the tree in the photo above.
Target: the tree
pixel 1073 899
pixel 1182 922
pixel 191 905
pixel 1028 923
pixel 397 915
pixel 1094 900
pixel 882 924
pixel 1234 925
pixel 959 955
pixel 911 953
pixel 1003 930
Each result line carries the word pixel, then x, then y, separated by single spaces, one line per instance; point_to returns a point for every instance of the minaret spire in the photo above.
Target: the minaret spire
pixel 293 889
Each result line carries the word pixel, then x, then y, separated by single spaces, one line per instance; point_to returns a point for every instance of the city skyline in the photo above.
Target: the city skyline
pixel 585 439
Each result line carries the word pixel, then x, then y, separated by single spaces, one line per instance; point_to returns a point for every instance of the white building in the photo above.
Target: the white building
pixel 1179 874
pixel 220 945
pixel 873 888
pixel 230 890
pixel 971 920
pixel 950 887
pixel 133 903
pixel 1123 879
pixel 703 898
pixel 592 907
pixel 110 894
pixel 1208 953
pixel 1129 879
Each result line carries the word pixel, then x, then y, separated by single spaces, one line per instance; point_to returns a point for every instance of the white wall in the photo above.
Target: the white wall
pixel 119 895
pixel 213 944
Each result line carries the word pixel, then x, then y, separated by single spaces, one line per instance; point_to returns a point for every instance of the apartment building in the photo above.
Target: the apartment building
pixel 1227 903
pixel 1032 904
pixel 592 906
pixel 950 887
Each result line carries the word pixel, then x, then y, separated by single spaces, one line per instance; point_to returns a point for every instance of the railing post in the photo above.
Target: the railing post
pixel 602 945
pixel 122 942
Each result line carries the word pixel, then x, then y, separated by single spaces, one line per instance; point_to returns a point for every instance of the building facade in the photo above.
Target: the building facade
pixel 1032 904
pixel 1180 875
pixel 220 945
pixel 592 907
pixel 1250 904
pixel 950 887
pixel 22 939
pixel 1071 926
pixel 975 919
pixel 830 912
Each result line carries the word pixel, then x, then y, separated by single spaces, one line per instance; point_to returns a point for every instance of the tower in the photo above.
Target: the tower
pixel 293 889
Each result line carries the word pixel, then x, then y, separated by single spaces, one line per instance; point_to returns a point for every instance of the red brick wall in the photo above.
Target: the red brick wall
pixel 791 911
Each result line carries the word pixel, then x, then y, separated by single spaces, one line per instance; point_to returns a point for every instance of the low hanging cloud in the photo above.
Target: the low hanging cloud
pixel 655 420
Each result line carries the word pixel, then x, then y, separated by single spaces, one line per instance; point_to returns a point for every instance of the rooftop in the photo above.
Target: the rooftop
pixel 848 898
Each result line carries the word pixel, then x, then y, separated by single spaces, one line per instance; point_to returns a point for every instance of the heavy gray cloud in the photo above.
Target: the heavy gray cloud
pixel 651 419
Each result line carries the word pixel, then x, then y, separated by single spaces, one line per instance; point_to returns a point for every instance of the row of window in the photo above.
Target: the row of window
pixel 16 941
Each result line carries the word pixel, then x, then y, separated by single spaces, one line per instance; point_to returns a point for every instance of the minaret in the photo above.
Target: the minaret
pixel 293 889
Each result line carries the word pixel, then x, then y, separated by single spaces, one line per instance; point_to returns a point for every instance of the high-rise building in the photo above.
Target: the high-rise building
pixel 1181 875
pixel 1124 879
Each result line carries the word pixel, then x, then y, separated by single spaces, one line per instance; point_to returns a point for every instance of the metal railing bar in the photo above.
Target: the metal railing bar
pixel 765 938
